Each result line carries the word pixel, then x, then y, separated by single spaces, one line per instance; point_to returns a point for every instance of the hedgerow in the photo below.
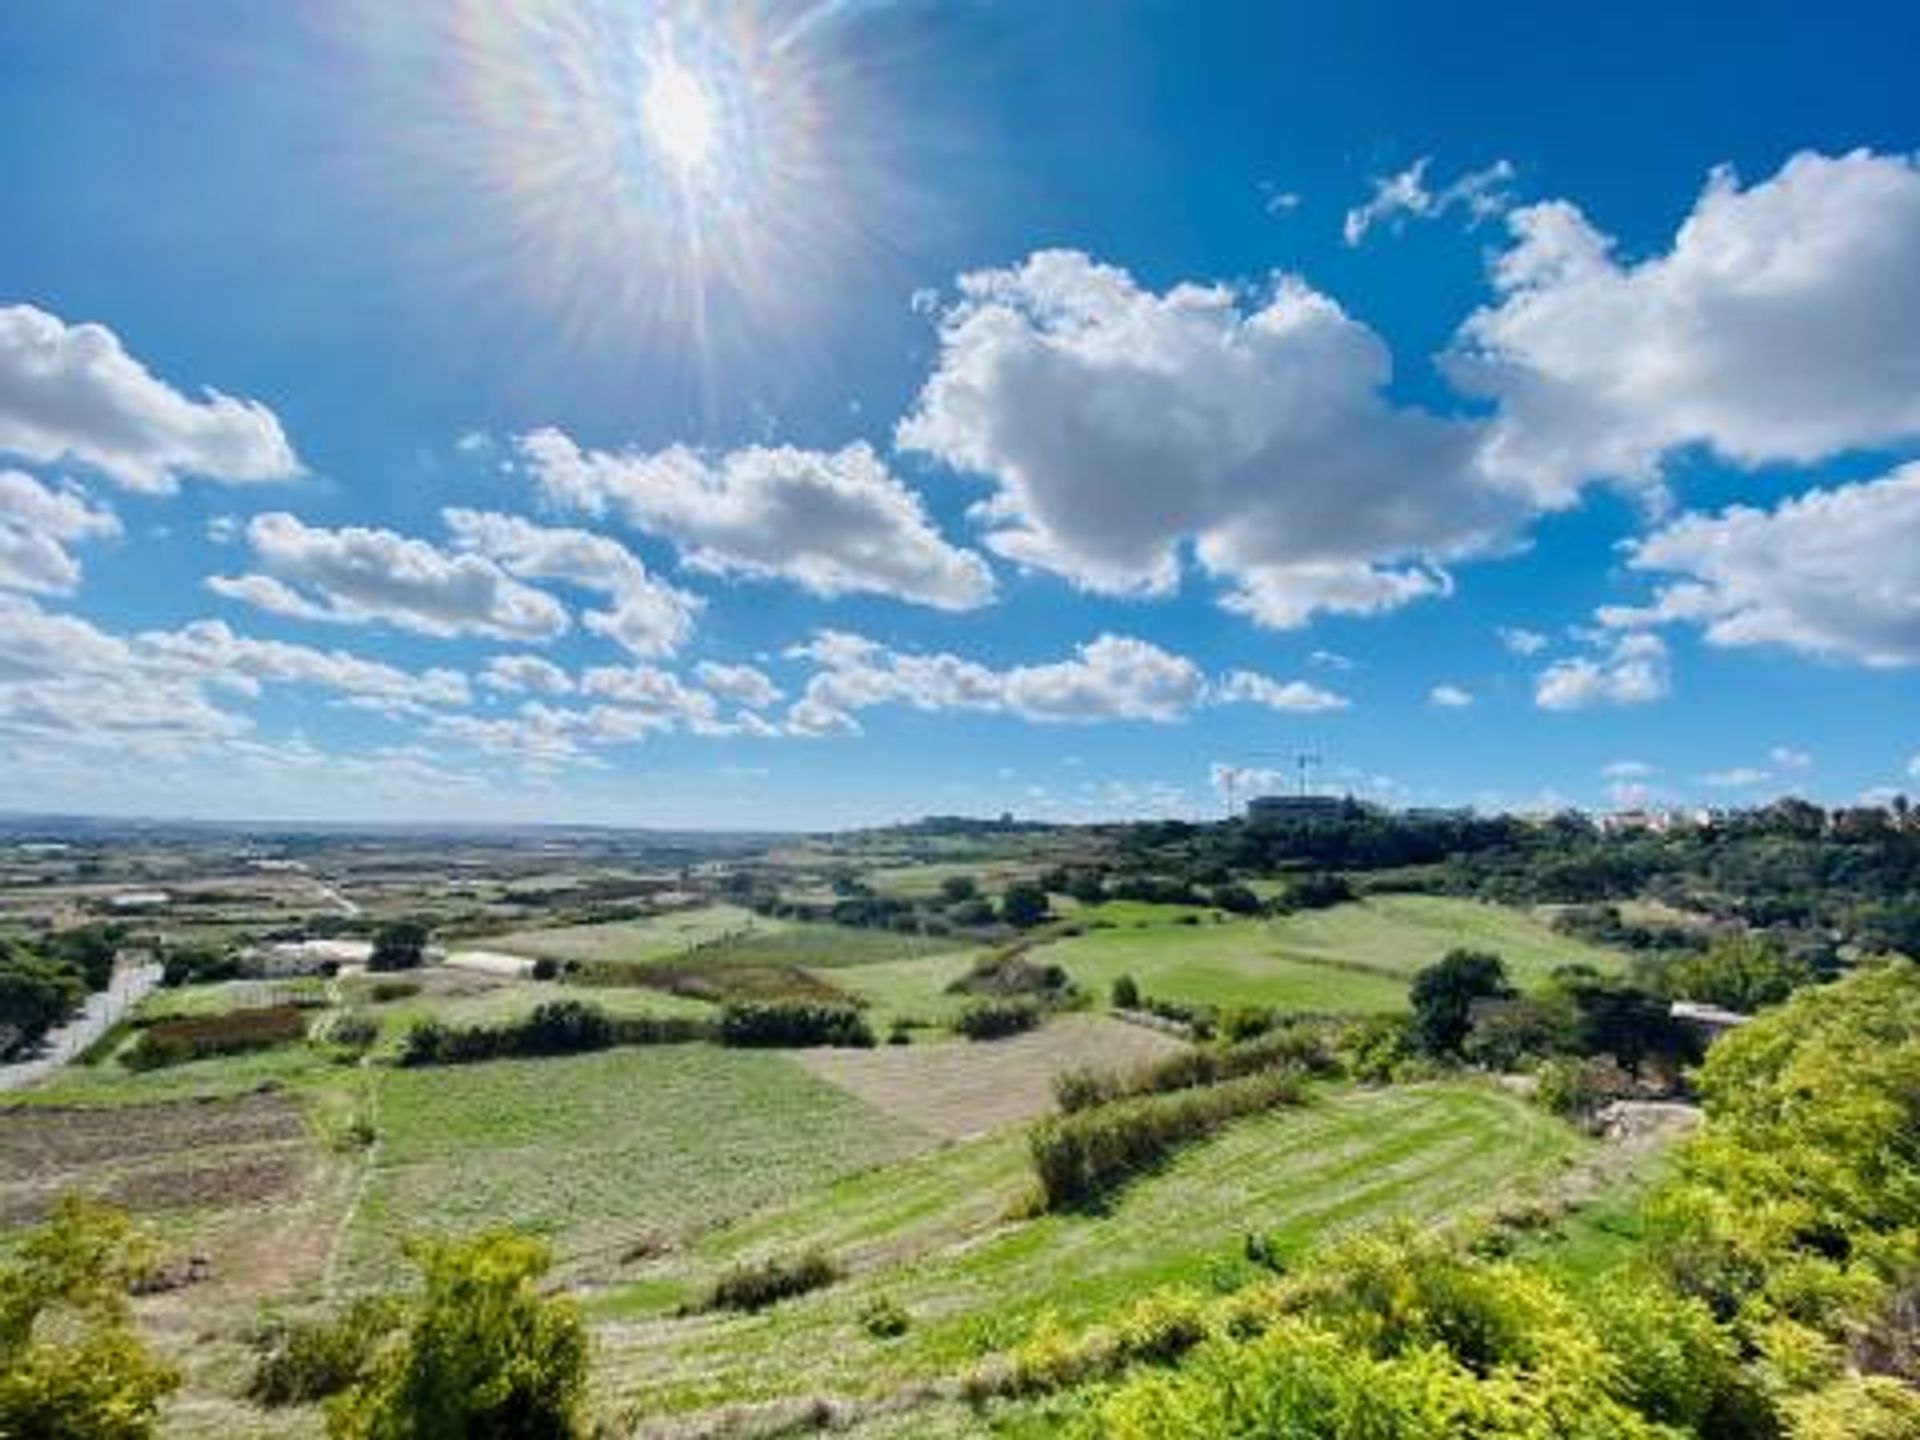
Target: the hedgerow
pixel 756 1286
pixel 174 1042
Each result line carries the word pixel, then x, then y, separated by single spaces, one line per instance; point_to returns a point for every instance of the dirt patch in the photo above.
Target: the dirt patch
pixel 214 1154
pixel 966 1088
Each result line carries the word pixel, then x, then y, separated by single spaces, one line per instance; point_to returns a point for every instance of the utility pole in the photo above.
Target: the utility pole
pixel 1305 761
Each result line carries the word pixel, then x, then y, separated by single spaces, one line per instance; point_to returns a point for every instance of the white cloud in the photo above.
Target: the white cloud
pixel 1778 327
pixel 37 523
pixel 211 652
pixel 1785 757
pixel 1332 659
pixel 362 576
pixel 72 393
pixel 1628 770
pixel 1119 425
pixel 834 523
pixel 1295 696
pixel 526 674
pixel 740 684
pixel 650 698
pixel 1631 671
pixel 1740 777
pixel 1519 641
pixel 1113 677
pixel 648 617
pixel 1406 196
pixel 1450 697
pixel 1832 573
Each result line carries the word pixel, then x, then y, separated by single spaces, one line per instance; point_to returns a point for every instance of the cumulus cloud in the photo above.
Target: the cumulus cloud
pixel 1521 641
pixel 649 698
pixel 526 674
pixel 1407 196
pixel 361 576
pixel 1785 757
pixel 1450 697
pixel 648 617
pixel 1831 573
pixel 1113 677
pixel 835 523
pixel 1777 327
pixel 73 393
pixel 1294 696
pixel 740 684
pixel 1740 777
pixel 1118 425
pixel 1632 670
pixel 37 524
pixel 211 652
pixel 1628 770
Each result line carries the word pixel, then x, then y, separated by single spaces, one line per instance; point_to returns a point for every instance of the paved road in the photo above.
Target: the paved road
pixel 104 1009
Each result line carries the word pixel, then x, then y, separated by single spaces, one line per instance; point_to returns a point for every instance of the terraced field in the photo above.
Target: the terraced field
pixel 1354 958
pixel 932 1234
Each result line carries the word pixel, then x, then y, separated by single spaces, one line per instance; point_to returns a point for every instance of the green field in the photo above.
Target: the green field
pixel 1353 958
pixel 599 1152
pixel 932 1235
pixel 634 941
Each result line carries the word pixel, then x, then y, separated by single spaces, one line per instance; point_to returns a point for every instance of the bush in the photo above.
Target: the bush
pixel 794 1024
pixel 301 1362
pixel 1081 1157
pixel 557 1027
pixel 1444 996
pixel 884 1319
pixel 545 968
pixel 1126 993
pixel 1236 899
pixel 354 1030
pixel 198 964
pixel 386 991
pixel 1302 1050
pixel 1577 1089
pixel 997 1019
pixel 1318 892
pixel 754 1287
pixel 484 1353
pixel 1023 905
pixel 398 945
pixel 174 1042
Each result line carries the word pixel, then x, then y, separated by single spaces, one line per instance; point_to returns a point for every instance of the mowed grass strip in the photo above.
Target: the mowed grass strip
pixel 1354 959
pixel 635 941
pixel 931 1234
pixel 600 1152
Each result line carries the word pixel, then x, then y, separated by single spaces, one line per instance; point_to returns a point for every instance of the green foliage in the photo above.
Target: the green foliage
pixel 883 1318
pixel 1507 1034
pixel 384 992
pixel 554 1027
pixel 398 945
pixel 1738 972
pixel 484 1356
pixel 71 1367
pixel 195 1037
pixel 997 1019
pixel 36 994
pixel 198 964
pixel 301 1362
pixel 776 1278
pixel 1303 1049
pixel 1444 996
pixel 1126 993
pixel 354 1030
pixel 956 888
pixel 1080 1158
pixel 1023 904
pixel 1576 1088
pixel 794 1024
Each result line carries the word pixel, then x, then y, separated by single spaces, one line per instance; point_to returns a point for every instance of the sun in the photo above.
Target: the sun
pixel 678 115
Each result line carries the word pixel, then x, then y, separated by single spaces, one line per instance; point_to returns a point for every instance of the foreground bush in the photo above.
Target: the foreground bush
pixel 70 1363
pixel 754 1287
pixel 793 1024
pixel 1301 1049
pixel 302 1362
pixel 1079 1158
pixel 483 1353
pixel 997 1019
pixel 174 1042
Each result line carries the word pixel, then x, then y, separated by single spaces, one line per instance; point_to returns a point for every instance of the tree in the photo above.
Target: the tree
pixel 1739 972
pixel 398 945
pixel 485 1355
pixel 1023 905
pixel 1444 996
pixel 956 888
pixel 71 1367
pixel 35 995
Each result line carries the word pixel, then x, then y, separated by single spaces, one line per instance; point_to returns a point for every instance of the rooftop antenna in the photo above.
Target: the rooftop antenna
pixel 1230 780
pixel 1305 761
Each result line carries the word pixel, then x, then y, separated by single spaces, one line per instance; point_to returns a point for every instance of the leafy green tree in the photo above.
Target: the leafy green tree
pixel 1444 996
pixel 398 945
pixel 71 1367
pixel 1739 972
pixel 485 1355
pixel 36 994
pixel 1023 905
pixel 956 888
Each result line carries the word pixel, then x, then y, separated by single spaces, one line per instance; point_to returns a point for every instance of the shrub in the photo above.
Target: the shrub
pixel 398 945
pixel 793 1024
pixel 1126 993
pixel 1081 1157
pixel 1023 905
pixel 198 964
pixel 484 1353
pixel 545 968
pixel 756 1286
pixel 385 992
pixel 70 1362
pixel 1444 996
pixel 301 1362
pixel 884 1319
pixel 557 1027
pixel 997 1019
pixel 354 1030
pixel 1301 1050
pixel 174 1042
pixel 1577 1089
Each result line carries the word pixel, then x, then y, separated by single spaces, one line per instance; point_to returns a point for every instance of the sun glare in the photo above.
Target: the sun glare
pixel 678 115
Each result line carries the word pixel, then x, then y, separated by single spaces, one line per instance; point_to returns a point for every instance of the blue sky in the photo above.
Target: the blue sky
pixel 815 413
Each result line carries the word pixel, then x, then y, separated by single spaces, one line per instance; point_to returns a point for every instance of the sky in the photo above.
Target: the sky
pixel 829 412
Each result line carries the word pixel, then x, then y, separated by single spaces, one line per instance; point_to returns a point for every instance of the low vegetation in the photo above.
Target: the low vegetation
pixel 196 1037
pixel 776 1278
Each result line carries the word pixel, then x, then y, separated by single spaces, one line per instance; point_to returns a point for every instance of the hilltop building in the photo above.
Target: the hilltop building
pixel 1294 809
